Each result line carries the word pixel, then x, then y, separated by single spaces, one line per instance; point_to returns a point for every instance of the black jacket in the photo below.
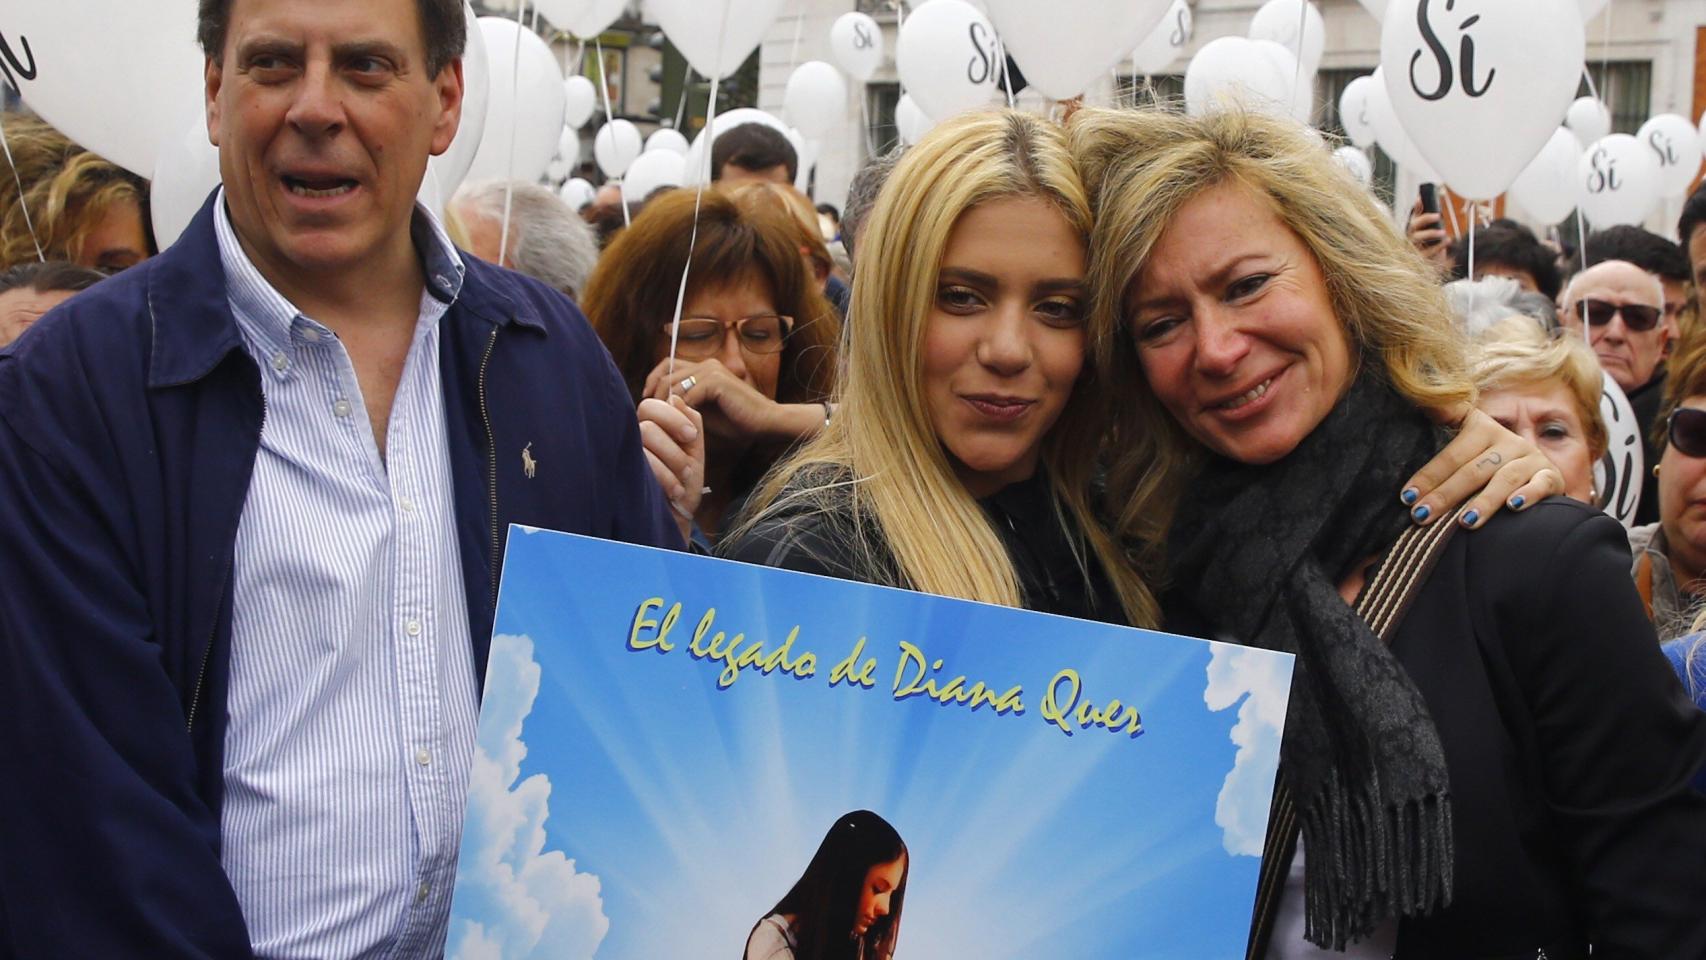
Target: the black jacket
pixel 1569 745
pixel 1051 577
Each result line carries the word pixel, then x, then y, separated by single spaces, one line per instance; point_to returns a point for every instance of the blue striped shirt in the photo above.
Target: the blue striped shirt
pixel 352 701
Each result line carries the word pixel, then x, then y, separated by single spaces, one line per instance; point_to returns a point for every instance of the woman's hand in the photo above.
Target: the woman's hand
pixel 674 439
pixel 1427 234
pixel 738 411
pixel 1486 465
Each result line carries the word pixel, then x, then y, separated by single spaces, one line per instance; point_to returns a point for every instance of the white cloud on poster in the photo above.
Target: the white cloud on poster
pixel 527 902
pixel 1260 680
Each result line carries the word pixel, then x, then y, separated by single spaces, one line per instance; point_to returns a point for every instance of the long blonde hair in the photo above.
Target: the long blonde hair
pixel 880 461
pixel 67 190
pixel 1140 167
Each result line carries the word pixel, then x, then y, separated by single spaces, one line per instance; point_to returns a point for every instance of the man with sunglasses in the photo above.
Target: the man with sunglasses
pixel 1619 307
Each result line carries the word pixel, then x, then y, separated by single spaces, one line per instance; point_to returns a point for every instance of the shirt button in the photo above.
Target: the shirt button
pixel 279 362
pixel 421 894
pixel 340 409
pixel 422 757
pixel 407 505
pixel 414 628
pixel 310 334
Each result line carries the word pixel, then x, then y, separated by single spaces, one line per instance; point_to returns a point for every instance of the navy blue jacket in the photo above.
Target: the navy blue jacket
pixel 130 419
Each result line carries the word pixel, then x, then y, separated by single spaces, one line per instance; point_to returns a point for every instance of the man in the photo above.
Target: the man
pixel 753 151
pixel 548 241
pixel 1652 253
pixel 29 290
pixel 256 493
pixel 1508 249
pixel 1620 309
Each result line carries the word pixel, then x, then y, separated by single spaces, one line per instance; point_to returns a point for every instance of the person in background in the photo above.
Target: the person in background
pixel 1691 232
pixel 547 240
pixel 1505 248
pixel 829 222
pixel 1619 308
pixel 604 213
pixel 1670 553
pixel 29 290
pixel 256 495
pixel 812 246
pixel 74 205
pixel 1660 257
pixel 753 151
pixel 754 351
pixel 1546 388
pixel 862 195
pixel 1479 304
pixel 1497 764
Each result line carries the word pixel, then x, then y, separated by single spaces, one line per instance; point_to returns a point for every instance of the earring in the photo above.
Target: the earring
pixel 1656 470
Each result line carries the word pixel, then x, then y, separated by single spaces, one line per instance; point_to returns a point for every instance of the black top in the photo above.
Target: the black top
pixel 1569 744
pixel 1025 515
pixel 1645 402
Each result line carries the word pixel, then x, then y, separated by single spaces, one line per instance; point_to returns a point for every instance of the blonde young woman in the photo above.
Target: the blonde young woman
pixel 1504 773
pixel 961 458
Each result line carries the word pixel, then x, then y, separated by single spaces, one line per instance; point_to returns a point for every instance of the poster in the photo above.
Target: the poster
pixel 666 740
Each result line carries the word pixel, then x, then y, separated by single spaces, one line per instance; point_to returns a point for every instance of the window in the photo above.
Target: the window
pixel 1166 89
pixel 1626 87
pixel 882 134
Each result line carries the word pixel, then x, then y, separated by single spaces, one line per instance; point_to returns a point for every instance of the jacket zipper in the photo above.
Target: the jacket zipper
pixel 224 575
pixel 491 462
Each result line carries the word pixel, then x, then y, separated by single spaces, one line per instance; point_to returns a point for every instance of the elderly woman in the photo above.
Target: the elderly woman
pixel 1670 554
pixel 1500 771
pixel 1544 387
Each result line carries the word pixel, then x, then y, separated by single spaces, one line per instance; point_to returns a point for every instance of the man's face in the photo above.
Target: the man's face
pixel 1629 356
pixel 22 306
pixel 732 174
pixel 325 115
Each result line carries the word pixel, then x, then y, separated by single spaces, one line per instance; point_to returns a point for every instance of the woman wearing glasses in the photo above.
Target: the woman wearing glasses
pixel 1670 554
pixel 754 351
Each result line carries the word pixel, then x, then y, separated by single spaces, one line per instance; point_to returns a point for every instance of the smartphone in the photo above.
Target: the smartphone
pixel 1430 198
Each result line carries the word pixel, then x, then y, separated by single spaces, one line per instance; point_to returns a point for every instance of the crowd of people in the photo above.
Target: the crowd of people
pixel 1132 366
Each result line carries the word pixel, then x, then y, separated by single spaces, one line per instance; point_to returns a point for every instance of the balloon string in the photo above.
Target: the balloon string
pixel 1006 74
pixel 1581 238
pixel 23 203
pixel 515 117
pixel 610 120
pixel 704 177
pixel 899 28
pixel 686 85
pixel 1297 74
pixel 1470 275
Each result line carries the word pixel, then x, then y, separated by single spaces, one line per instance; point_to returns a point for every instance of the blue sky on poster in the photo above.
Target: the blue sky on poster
pixel 636 810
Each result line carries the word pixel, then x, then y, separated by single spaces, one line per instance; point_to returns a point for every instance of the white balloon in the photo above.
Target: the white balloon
pixel 697 26
pixel 1277 20
pixel 1166 42
pixel 616 147
pixel 557 171
pixel 1389 133
pixel 660 168
pixel 450 168
pixel 562 11
pixel 1353 111
pixel 1618 180
pixel 568 148
pixel 1588 119
pixel 815 99
pixel 186 169
pixel 1675 144
pixel 580 99
pixel 949 58
pixel 808 154
pixel 113 75
pixel 1238 72
pixel 1480 96
pixel 1546 188
pixel 698 166
pixel 1375 8
pixel 1619 474
pixel 911 121
pixel 667 139
pixel 577 193
pixel 525 112
pixel 1064 46
pixel 594 18
pixel 1356 162
pixel 856 41
pixel 1592 8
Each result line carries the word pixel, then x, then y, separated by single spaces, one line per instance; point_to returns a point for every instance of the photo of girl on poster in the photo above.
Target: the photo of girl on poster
pixel 846 906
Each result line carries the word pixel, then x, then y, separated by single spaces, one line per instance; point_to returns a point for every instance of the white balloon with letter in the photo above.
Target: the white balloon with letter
pixel 1546 188
pixel 1064 46
pixel 714 35
pixel 1166 42
pixel 815 100
pixel 949 58
pixel 1353 111
pixel 525 113
pixel 1277 20
pixel 1618 180
pixel 1675 144
pixel 1479 85
pixel 1389 133
pixel 856 42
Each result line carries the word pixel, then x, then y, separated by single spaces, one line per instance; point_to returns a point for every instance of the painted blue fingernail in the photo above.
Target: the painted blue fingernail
pixel 1471 518
pixel 1517 502
pixel 1421 513
pixel 1411 495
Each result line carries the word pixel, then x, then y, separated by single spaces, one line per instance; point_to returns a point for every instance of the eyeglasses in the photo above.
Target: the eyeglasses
pixel 1686 431
pixel 700 338
pixel 1636 316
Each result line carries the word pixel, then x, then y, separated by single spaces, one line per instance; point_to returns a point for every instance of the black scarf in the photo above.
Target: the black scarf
pixel 1260 551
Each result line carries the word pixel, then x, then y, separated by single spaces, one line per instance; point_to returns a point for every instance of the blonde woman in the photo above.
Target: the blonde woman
pixel 1504 772
pixel 1545 387
pixel 75 207
pixel 961 458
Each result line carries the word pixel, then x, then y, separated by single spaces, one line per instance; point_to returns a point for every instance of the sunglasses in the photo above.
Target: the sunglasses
pixel 1686 431
pixel 1636 316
